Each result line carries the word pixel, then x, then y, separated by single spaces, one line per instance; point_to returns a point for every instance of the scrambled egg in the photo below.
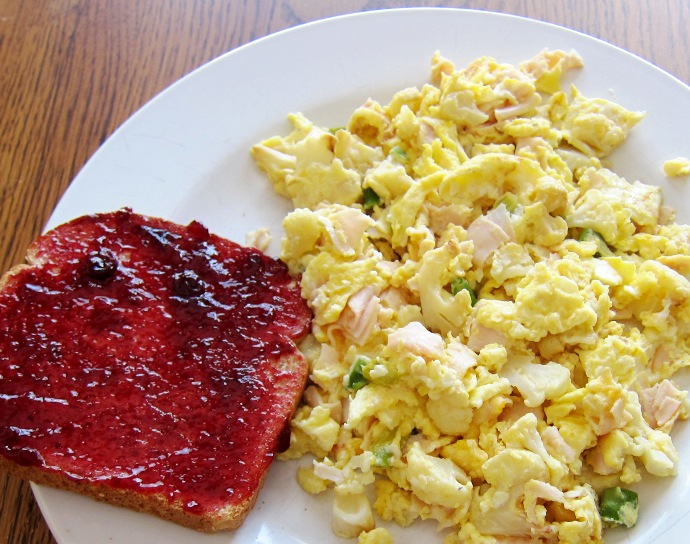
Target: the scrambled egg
pixel 677 167
pixel 498 316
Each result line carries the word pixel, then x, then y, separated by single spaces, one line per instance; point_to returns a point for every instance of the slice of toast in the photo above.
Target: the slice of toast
pixel 149 365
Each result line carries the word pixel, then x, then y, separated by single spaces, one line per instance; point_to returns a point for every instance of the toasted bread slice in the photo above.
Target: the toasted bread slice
pixel 149 365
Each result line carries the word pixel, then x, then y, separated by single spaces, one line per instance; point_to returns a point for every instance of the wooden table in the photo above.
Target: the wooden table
pixel 73 70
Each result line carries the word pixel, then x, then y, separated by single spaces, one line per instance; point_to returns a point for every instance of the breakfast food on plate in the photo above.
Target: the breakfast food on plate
pixel 498 316
pixel 679 166
pixel 150 365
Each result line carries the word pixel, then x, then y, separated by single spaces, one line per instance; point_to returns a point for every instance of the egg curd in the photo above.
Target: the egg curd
pixel 498 316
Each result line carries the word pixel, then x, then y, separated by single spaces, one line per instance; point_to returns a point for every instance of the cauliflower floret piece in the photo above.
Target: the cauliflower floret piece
pixel 277 158
pixel 302 166
pixel 551 189
pixel 524 433
pixel 451 411
pixel 260 239
pixel 536 382
pixel 436 480
pixel 351 515
pixel 442 310
pixel 538 226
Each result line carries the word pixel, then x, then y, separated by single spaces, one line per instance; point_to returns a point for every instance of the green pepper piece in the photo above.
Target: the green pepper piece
pixel 356 379
pixel 619 505
pixel 382 449
pixel 459 284
pixel 603 250
pixel 370 197
pixel 386 378
pixel 398 153
pixel 509 200
pixel 383 457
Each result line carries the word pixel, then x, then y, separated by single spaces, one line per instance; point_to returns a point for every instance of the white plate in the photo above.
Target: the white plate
pixel 185 156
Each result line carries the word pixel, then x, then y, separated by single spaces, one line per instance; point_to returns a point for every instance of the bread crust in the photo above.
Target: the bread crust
pixel 228 516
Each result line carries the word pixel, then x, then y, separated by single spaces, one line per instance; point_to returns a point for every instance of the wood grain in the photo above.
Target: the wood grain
pixel 74 70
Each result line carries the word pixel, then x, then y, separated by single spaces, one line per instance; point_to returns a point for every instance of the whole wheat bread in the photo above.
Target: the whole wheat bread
pixel 149 365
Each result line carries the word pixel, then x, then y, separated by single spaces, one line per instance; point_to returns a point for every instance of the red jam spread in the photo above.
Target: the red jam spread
pixel 140 354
